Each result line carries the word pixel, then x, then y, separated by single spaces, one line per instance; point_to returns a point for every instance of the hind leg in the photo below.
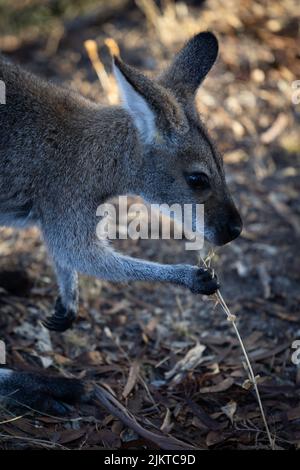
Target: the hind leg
pixel 42 393
pixel 67 303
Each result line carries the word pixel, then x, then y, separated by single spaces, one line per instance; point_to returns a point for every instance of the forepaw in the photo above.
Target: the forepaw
pixel 61 320
pixel 204 282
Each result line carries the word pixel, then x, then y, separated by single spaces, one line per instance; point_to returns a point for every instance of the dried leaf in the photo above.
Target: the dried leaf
pixel 220 387
pixel 132 378
pixel 229 410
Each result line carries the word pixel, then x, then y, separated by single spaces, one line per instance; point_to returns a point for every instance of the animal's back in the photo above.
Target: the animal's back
pixel 35 124
pixel 34 115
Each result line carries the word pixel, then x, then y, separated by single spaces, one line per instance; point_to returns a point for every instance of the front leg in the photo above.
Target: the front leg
pixel 107 264
pixel 67 303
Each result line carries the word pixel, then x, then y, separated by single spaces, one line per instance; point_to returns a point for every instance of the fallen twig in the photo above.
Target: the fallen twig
pixel 116 408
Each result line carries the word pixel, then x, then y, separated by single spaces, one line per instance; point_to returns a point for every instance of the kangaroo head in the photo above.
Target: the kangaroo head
pixel 179 164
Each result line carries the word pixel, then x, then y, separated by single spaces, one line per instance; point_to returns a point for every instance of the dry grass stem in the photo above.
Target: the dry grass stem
pixel 107 82
pixel 253 379
pixel 112 46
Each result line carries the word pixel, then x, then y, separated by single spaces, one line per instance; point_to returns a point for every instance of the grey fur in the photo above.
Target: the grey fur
pixel 40 392
pixel 61 156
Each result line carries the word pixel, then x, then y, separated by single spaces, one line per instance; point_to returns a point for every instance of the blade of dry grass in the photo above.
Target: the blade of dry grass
pixel 232 319
pixel 106 80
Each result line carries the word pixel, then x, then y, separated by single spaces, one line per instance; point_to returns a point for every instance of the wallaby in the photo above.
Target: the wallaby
pixel 62 156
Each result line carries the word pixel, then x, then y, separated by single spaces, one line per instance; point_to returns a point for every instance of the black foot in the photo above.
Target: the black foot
pixel 46 393
pixel 204 282
pixel 61 320
pixel 54 407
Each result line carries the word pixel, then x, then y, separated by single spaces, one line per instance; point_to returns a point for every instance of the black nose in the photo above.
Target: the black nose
pixel 235 231
pixel 227 233
pixel 228 226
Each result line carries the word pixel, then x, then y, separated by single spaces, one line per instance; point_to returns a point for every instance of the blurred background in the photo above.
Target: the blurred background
pixel 141 339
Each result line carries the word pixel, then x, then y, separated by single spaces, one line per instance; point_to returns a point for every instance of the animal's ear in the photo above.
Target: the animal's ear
pixel 141 112
pixel 153 109
pixel 191 65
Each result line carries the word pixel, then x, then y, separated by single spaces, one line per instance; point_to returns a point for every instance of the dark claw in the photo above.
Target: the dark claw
pixel 59 325
pixel 55 407
pixel 61 320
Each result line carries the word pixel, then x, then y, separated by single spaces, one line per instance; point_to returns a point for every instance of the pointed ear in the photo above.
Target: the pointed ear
pixel 141 112
pixel 153 108
pixel 190 66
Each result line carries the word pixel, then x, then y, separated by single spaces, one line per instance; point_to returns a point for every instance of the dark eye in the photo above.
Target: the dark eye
pixel 198 181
